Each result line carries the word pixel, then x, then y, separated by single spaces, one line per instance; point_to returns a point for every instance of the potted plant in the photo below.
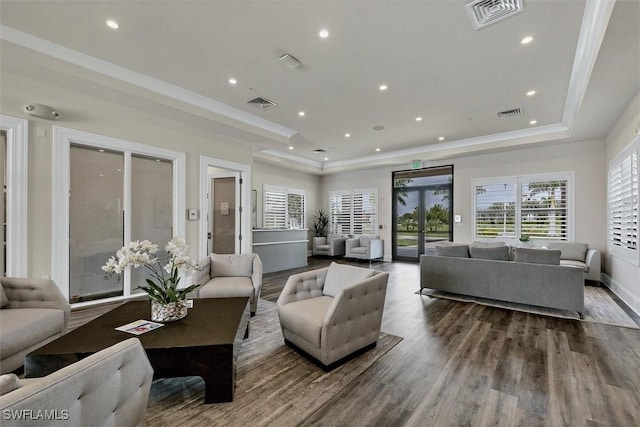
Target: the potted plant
pixel 320 223
pixel 168 303
pixel 524 238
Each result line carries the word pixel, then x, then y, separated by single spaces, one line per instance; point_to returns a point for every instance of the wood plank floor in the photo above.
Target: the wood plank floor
pixel 470 365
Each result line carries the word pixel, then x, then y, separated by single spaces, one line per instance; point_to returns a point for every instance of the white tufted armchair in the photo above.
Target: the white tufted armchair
pixel 333 312
pixel 108 388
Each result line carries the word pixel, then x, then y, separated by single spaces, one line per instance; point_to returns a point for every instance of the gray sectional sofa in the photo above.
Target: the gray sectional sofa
pixel 534 277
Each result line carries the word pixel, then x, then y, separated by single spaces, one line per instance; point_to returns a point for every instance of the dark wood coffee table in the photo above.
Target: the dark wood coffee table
pixel 205 343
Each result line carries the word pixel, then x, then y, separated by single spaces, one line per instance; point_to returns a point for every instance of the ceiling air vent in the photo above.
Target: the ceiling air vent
pixel 510 113
pixel 486 12
pixel 319 150
pixel 262 103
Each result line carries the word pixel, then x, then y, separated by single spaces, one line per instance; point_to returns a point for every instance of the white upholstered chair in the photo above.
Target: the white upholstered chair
pixel 365 246
pixel 333 312
pixel 332 245
pixel 227 276
pixel 108 388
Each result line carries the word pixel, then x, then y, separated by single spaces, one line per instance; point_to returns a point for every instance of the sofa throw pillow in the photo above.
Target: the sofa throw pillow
pixel 498 253
pixel 537 256
pixel 235 265
pixel 340 276
pixel 455 251
pixel 570 250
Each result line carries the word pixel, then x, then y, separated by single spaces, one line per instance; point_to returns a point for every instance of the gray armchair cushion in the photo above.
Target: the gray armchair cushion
pixel 498 253
pixel 307 315
pixel 456 251
pixel 8 383
pixel 537 256
pixel 43 324
pixel 340 276
pixel 232 265
pixel 227 287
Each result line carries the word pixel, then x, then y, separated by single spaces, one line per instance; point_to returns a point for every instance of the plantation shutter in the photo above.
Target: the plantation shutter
pixel 274 209
pixel 495 210
pixel 296 209
pixel 623 203
pixel 364 212
pixel 544 209
pixel 340 213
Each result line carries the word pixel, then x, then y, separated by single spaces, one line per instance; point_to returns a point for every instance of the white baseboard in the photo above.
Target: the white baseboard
pixel 631 300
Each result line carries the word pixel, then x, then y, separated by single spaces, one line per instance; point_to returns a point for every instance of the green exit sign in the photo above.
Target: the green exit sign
pixel 416 164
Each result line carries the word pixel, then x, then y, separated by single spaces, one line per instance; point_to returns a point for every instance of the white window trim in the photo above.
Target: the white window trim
pixel 351 193
pixel 516 179
pixel 62 140
pixel 624 254
pixel 286 191
pixel 17 194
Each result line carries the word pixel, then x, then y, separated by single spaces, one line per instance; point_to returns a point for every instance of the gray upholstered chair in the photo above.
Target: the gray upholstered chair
pixel 32 313
pixel 110 387
pixel 333 312
pixel 333 245
pixel 580 255
pixel 227 276
pixel 365 246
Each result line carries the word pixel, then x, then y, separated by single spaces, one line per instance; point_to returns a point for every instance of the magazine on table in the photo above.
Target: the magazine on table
pixel 139 327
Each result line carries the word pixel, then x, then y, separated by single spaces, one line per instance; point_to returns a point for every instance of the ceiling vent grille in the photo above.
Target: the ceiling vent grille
pixel 486 12
pixel 319 150
pixel 510 113
pixel 261 103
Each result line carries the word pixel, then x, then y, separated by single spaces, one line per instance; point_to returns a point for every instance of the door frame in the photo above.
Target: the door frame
pixel 245 195
pixel 238 200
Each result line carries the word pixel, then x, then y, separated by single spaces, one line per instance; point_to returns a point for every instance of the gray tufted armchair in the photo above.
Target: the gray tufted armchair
pixel 333 312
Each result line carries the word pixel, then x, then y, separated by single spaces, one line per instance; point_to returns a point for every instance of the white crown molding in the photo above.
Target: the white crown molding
pixel 592 31
pixel 141 80
pixel 292 157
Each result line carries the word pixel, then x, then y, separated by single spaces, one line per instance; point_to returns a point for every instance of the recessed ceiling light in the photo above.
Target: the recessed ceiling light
pixel 233 81
pixel 323 34
pixel 441 138
pixel 383 87
pixel 291 147
pixel 301 113
pixel 101 150
pixel 377 149
pixel 326 158
pixel 533 122
pixel 418 119
pixel 347 135
pixel 531 93
pixel 526 40
pixel 112 24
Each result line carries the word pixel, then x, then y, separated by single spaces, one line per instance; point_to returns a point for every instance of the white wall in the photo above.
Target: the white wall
pixel 584 158
pixel 90 114
pixel 622 276
pixel 266 173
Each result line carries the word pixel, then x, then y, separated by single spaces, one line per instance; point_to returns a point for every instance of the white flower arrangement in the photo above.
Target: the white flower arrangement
pixel 143 253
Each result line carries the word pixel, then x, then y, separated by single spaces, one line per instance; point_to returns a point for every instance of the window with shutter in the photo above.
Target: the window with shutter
pixel 534 207
pixel 622 195
pixel 283 207
pixel 353 211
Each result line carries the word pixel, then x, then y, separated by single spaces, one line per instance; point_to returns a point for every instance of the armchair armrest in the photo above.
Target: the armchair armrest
pixel 256 276
pixel 593 261
pixel 35 293
pixel 376 248
pixel 354 318
pixel 317 241
pixel 337 246
pixel 204 275
pixel 303 286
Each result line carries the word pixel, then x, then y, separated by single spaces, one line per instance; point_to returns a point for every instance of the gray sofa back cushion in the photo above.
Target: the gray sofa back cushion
pixel 498 253
pixel 537 256
pixel 570 250
pixel 456 251
pixel 235 265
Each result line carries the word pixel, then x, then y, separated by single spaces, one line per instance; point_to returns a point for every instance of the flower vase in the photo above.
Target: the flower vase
pixel 168 312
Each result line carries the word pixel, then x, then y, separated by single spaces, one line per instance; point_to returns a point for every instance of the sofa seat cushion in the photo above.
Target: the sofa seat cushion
pixel 25 327
pixel 573 263
pixel 304 317
pixel 227 287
